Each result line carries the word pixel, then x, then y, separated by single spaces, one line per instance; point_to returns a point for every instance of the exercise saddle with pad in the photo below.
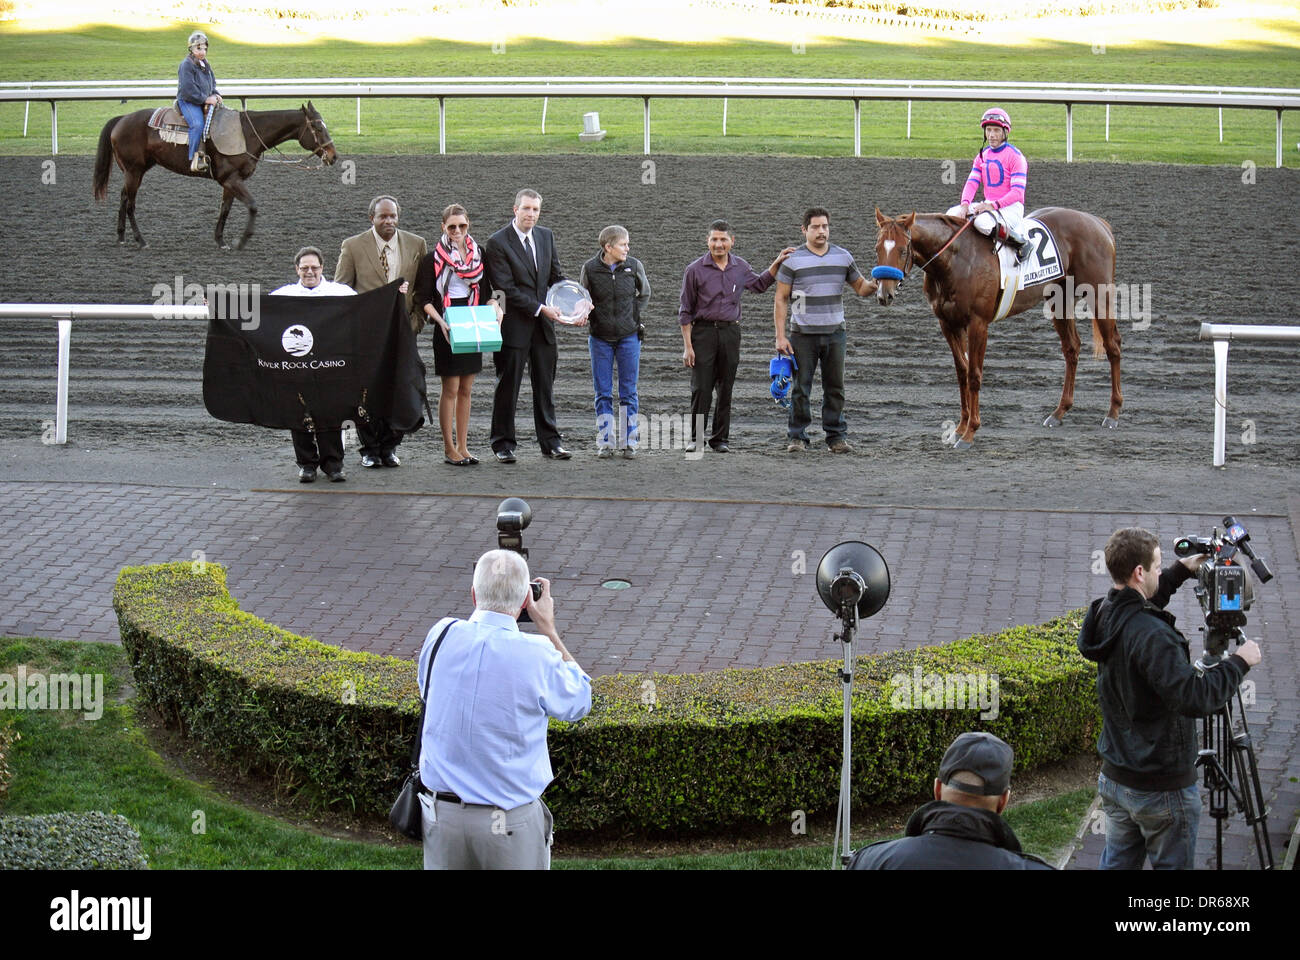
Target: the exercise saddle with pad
pixel 225 132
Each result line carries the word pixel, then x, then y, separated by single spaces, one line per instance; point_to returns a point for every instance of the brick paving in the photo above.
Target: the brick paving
pixel 714 585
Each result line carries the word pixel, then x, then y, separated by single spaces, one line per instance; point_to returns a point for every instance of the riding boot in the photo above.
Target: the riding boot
pixel 1018 240
pixel 199 162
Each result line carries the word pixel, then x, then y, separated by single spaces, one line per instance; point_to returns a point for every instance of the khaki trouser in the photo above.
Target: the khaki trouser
pixel 459 836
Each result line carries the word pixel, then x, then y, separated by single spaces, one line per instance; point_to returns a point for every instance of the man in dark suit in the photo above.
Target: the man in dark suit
pixel 366 262
pixel 522 264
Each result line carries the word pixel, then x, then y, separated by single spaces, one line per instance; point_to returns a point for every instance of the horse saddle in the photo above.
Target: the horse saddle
pixel 1042 265
pixel 225 132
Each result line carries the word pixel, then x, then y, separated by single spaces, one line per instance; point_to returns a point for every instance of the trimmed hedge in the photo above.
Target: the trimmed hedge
pixel 8 737
pixel 70 841
pixel 657 752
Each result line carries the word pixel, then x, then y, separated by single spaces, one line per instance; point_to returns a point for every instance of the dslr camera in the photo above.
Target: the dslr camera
pixel 1223 587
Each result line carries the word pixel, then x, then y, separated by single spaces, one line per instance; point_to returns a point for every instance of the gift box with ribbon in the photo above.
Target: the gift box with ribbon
pixel 473 329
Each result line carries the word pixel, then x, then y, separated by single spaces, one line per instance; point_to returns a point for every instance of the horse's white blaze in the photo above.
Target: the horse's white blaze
pixel 889 245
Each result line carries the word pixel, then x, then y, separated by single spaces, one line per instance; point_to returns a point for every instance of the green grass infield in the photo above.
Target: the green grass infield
pixel 682 126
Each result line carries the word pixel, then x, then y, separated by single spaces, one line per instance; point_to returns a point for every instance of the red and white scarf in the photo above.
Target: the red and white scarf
pixel 446 261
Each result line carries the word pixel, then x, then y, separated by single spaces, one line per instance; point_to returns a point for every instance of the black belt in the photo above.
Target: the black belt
pixel 452 798
pixel 714 323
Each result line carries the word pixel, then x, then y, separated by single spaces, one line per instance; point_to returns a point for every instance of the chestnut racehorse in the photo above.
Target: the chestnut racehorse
pixel 137 147
pixel 962 284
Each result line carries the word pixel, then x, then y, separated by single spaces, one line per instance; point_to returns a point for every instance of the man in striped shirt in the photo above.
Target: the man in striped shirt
pixel 810 292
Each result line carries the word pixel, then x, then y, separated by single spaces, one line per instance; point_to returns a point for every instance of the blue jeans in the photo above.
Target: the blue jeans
pixel 627 354
pixel 193 114
pixel 1161 824
pixel 810 349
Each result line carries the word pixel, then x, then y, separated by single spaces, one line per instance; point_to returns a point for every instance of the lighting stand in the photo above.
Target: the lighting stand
pixel 840 857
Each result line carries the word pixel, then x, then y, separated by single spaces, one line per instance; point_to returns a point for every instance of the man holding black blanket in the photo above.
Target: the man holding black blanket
pixel 323 448
pixel 308 362
pixel 368 261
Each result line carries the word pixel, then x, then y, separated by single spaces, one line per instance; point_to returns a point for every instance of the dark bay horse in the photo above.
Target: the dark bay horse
pixel 137 147
pixel 962 284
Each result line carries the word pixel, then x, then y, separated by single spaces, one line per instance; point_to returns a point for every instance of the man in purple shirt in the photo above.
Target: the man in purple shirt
pixel 710 319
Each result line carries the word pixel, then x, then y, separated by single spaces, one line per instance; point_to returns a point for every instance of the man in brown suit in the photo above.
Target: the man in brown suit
pixel 367 261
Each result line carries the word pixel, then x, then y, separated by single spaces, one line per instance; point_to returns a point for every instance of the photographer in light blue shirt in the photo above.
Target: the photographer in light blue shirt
pixel 483 759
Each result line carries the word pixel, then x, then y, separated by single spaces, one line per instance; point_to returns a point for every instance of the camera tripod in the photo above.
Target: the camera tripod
pixel 1228 759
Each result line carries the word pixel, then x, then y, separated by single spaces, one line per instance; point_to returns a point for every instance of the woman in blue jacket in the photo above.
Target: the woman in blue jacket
pixel 195 91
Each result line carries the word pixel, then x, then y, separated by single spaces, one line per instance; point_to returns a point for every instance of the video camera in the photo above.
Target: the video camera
pixel 1223 589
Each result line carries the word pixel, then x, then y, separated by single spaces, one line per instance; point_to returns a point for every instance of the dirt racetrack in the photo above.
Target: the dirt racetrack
pixel 1210 247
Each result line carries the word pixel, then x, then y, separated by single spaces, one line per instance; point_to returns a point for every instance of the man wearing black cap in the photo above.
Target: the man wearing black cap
pixel 962 828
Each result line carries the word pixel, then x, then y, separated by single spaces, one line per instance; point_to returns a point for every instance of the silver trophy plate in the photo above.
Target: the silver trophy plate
pixel 571 299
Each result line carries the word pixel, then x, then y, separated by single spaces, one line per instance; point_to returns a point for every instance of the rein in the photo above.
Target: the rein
pixel 287 160
pixel 911 252
pixel 969 221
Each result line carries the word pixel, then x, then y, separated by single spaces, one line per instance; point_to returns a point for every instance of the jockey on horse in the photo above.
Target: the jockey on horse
pixel 1002 170
pixel 196 90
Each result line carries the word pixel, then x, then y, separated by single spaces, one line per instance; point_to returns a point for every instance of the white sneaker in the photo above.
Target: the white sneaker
pixel 604 453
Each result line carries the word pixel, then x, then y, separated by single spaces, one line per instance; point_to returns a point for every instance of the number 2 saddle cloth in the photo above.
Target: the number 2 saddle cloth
pixel 1042 265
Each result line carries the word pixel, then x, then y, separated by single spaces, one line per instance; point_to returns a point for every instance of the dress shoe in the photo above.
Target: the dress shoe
pixel 721 448
pixel 504 456
pixel 557 453
pixel 629 453
pixel 605 453
pixel 306 474
pixel 390 460
pixel 336 476
pixel 371 462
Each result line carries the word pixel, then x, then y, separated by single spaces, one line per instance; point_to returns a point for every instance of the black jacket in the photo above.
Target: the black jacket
pixel 618 296
pixel 949 836
pixel 1149 691
pixel 525 285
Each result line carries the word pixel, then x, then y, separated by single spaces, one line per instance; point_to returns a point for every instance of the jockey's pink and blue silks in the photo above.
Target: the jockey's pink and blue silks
pixel 1002 171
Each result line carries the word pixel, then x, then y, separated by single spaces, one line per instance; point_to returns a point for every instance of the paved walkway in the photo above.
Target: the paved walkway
pixel 713 584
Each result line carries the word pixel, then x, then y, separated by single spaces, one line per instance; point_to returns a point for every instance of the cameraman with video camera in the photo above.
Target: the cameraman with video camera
pixel 1150 696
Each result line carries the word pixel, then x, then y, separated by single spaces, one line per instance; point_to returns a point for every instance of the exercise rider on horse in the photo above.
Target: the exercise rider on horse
pixel 1002 171
pixel 196 91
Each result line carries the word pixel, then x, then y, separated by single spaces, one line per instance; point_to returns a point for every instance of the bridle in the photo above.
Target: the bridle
pixel 318 151
pixel 320 147
pixel 911 253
